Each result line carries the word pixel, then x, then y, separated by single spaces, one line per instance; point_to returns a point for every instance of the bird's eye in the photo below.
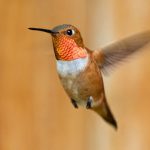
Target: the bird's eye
pixel 70 32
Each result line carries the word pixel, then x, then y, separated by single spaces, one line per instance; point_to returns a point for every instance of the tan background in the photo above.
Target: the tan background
pixel 35 113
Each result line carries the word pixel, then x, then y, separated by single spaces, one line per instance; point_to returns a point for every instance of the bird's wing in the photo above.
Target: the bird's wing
pixel 116 52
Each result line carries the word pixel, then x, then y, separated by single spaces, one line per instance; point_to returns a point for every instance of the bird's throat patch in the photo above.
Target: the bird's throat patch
pixel 67 49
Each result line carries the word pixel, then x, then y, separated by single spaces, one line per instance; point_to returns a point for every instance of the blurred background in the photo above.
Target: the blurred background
pixel 35 112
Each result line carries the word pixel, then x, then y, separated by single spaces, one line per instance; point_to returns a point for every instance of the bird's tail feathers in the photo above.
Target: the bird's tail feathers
pixel 104 111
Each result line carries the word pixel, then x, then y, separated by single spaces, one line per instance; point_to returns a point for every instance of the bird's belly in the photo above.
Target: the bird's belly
pixel 79 92
pixel 69 73
pixel 72 91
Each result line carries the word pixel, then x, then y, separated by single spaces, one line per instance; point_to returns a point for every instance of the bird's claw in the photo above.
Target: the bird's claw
pixel 74 103
pixel 89 102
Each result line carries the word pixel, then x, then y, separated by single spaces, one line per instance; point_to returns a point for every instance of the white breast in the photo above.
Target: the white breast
pixel 71 68
pixel 68 71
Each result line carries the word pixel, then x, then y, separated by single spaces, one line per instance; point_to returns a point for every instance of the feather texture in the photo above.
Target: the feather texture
pixel 116 52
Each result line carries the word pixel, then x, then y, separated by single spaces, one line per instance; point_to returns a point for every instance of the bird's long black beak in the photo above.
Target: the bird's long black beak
pixel 44 30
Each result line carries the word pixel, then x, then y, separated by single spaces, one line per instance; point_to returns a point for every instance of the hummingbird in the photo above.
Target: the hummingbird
pixel 81 70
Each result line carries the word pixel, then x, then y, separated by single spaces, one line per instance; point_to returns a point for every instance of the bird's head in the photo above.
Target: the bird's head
pixel 67 42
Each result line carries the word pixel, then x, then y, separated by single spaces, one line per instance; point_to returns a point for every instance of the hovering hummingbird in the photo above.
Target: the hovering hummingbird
pixel 80 69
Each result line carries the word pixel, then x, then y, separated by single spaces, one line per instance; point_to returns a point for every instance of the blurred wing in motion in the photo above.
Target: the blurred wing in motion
pixel 116 52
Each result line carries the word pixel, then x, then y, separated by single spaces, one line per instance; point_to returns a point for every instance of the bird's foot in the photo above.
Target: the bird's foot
pixel 89 102
pixel 74 103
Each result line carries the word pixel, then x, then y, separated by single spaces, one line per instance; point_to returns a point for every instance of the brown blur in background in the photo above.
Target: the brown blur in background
pixel 35 112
